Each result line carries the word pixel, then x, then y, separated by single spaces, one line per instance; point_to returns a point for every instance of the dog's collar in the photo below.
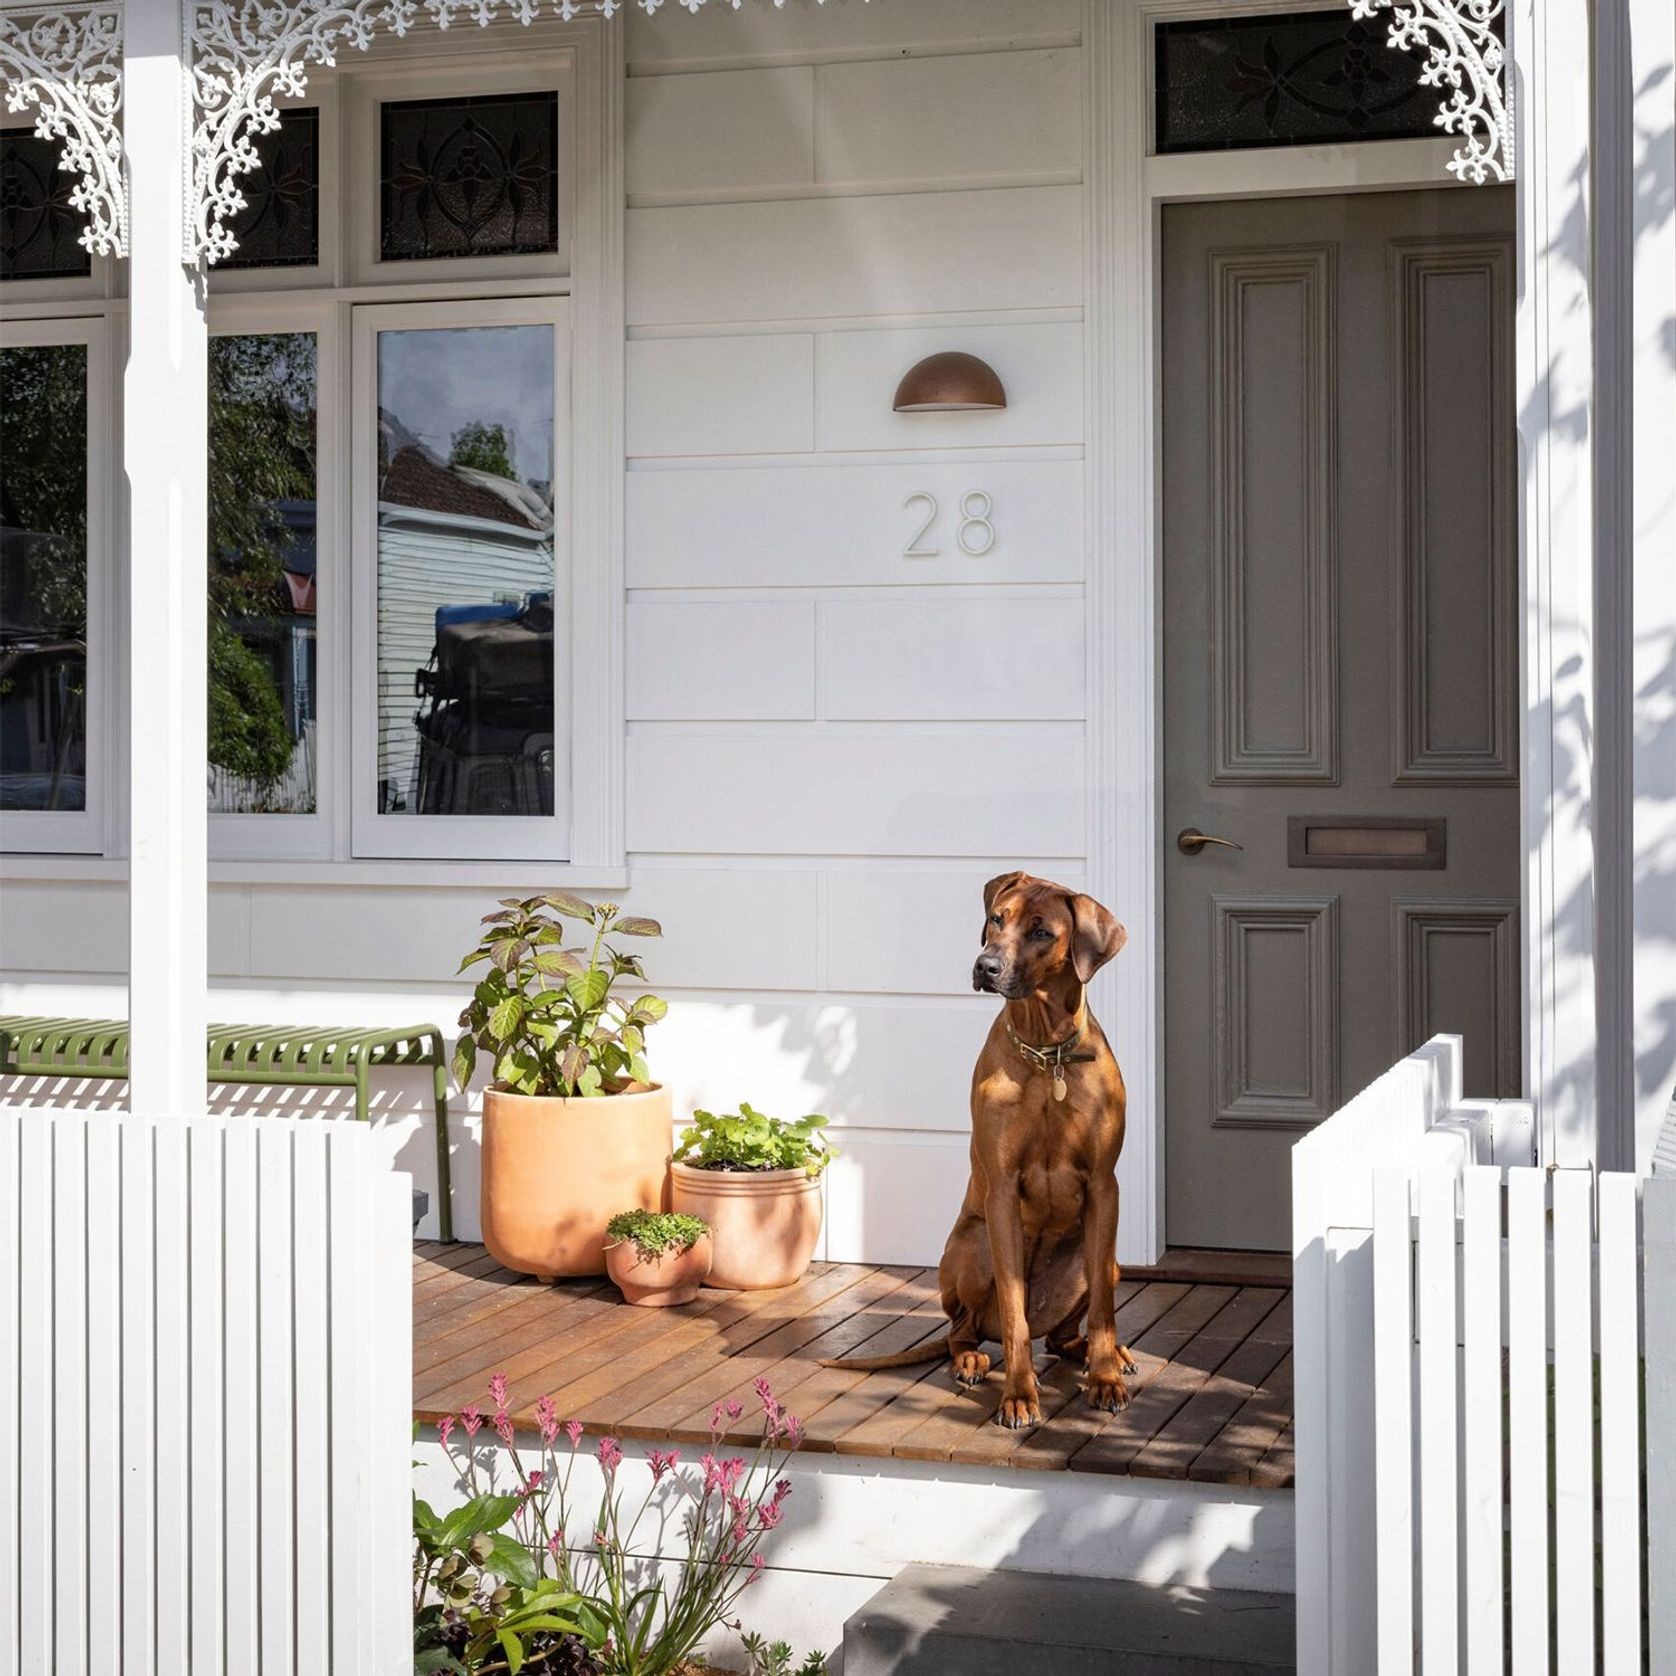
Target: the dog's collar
pixel 1055 1056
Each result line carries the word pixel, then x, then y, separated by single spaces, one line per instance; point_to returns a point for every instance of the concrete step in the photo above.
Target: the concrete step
pixel 936 1620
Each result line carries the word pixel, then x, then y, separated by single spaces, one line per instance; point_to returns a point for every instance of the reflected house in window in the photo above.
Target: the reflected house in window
pixel 465 627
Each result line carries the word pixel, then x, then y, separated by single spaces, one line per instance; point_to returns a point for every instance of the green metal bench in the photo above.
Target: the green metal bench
pixel 270 1055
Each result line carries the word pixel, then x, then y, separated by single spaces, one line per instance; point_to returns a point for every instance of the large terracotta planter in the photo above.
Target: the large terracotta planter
pixel 672 1277
pixel 764 1223
pixel 555 1171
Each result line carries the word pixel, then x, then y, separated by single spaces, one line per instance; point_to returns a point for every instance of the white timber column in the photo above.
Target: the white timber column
pixel 1551 52
pixel 1649 134
pixel 164 425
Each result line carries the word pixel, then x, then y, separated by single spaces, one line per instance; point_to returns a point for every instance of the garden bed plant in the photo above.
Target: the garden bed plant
pixel 511 1583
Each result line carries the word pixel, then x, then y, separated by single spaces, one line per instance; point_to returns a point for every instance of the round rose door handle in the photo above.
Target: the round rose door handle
pixel 1190 840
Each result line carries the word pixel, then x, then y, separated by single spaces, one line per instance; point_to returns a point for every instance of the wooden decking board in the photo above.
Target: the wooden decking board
pixel 1171 1372
pixel 846 1336
pixel 1211 1402
pixel 720 1363
pixel 734 1380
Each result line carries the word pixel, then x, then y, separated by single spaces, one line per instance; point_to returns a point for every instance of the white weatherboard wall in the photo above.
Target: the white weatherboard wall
pixel 830 745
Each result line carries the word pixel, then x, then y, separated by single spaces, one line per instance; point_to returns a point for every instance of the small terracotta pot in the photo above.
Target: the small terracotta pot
pixel 765 1223
pixel 555 1171
pixel 672 1277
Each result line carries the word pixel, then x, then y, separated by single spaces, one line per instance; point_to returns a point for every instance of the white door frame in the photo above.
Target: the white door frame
pixel 1125 189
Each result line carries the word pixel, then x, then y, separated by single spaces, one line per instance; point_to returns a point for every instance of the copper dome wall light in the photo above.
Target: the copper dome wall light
pixel 950 382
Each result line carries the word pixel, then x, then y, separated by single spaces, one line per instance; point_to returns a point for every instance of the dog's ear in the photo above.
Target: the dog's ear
pixel 1095 936
pixel 1001 882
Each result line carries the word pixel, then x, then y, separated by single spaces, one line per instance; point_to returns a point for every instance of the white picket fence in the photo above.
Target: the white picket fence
pixel 1469 1353
pixel 205 1355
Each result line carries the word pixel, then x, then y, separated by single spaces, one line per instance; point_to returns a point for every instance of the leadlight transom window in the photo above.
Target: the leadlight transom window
pixel 476 176
pixel 279 226
pixel 39 226
pixel 1302 78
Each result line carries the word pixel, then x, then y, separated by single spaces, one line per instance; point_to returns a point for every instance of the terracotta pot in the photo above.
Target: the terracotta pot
pixel 764 1223
pixel 555 1171
pixel 672 1277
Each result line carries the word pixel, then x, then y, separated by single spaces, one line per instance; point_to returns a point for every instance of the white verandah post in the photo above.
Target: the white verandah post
pixel 164 442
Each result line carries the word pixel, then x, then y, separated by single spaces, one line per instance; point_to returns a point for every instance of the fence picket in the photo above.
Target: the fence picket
pixel 346 1415
pixel 104 1384
pixel 240 1231
pixel 1658 1293
pixel 1574 1440
pixel 35 1509
pixel 10 1372
pixel 1527 1384
pixel 1483 1604
pixel 310 1226
pixel 66 1264
pixel 138 1407
pixel 275 1414
pixel 1620 1430
pixel 1439 1432
pixel 172 1417
pixel 1393 1383
pixel 206 1541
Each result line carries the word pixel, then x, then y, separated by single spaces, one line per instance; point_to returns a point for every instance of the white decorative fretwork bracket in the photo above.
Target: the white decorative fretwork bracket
pixel 66 67
pixel 1466 62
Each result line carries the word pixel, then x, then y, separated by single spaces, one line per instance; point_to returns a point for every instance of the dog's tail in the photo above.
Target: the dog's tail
pixel 932 1350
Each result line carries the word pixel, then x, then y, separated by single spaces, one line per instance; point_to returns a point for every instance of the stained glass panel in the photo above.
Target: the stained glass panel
pixel 1290 79
pixel 469 177
pixel 279 226
pixel 38 225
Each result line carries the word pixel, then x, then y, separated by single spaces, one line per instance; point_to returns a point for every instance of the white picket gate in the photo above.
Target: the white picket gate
pixel 205 1366
pixel 1473 1445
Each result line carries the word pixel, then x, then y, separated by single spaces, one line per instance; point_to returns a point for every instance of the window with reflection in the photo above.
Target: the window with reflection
pixel 263 597
pixel 465 571
pixel 40 227
pixel 43 577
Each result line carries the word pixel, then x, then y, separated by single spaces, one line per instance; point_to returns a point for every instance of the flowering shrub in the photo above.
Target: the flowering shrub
pixel 508 1582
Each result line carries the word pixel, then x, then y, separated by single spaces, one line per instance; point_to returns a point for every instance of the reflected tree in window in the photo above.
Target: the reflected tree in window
pixel 262 573
pixel 43 577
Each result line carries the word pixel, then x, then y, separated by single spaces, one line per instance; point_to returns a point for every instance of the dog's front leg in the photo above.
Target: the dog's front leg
pixel 1020 1399
pixel 1107 1359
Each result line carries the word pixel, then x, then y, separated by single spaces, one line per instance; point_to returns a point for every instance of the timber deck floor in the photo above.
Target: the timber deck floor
pixel 1212 1401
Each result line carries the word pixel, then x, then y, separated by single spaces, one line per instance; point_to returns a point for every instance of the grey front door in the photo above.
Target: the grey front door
pixel 1340 672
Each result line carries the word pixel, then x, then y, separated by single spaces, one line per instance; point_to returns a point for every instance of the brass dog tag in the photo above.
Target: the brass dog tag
pixel 1059 1082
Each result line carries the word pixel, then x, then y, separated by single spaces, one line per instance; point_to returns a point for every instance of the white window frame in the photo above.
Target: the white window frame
pixel 97 284
pixel 491 77
pixel 383 837
pixel 82 831
pixel 309 837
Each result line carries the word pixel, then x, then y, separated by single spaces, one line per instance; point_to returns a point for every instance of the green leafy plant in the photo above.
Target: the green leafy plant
pixel 480 1603
pixel 535 1581
pixel 656 1232
pixel 548 1017
pixel 751 1140
pixel 774 1658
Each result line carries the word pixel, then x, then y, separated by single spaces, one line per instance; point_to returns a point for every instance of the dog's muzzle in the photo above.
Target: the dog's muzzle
pixel 990 975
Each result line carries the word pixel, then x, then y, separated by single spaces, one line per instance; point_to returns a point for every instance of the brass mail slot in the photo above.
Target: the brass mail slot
pixel 1366 841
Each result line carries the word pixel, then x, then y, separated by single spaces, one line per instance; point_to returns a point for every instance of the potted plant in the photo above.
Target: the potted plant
pixel 657 1258
pixel 572 1120
pixel 756 1180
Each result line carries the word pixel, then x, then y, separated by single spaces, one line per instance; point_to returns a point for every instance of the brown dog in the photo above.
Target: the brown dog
pixel 1033 1252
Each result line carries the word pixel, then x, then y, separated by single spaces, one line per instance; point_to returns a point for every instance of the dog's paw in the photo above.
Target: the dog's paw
pixel 1020 1411
pixel 1126 1359
pixel 1108 1395
pixel 970 1367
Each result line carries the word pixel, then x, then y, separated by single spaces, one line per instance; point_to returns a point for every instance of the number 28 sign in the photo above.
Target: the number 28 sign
pixel 975 532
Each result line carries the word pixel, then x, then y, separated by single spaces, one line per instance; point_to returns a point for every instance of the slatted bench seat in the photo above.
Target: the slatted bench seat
pixel 269 1055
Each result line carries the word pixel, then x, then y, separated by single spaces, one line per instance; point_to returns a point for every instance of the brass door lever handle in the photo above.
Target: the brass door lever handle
pixel 1190 840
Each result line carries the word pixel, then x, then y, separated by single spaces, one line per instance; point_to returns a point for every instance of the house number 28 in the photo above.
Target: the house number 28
pixel 976 531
